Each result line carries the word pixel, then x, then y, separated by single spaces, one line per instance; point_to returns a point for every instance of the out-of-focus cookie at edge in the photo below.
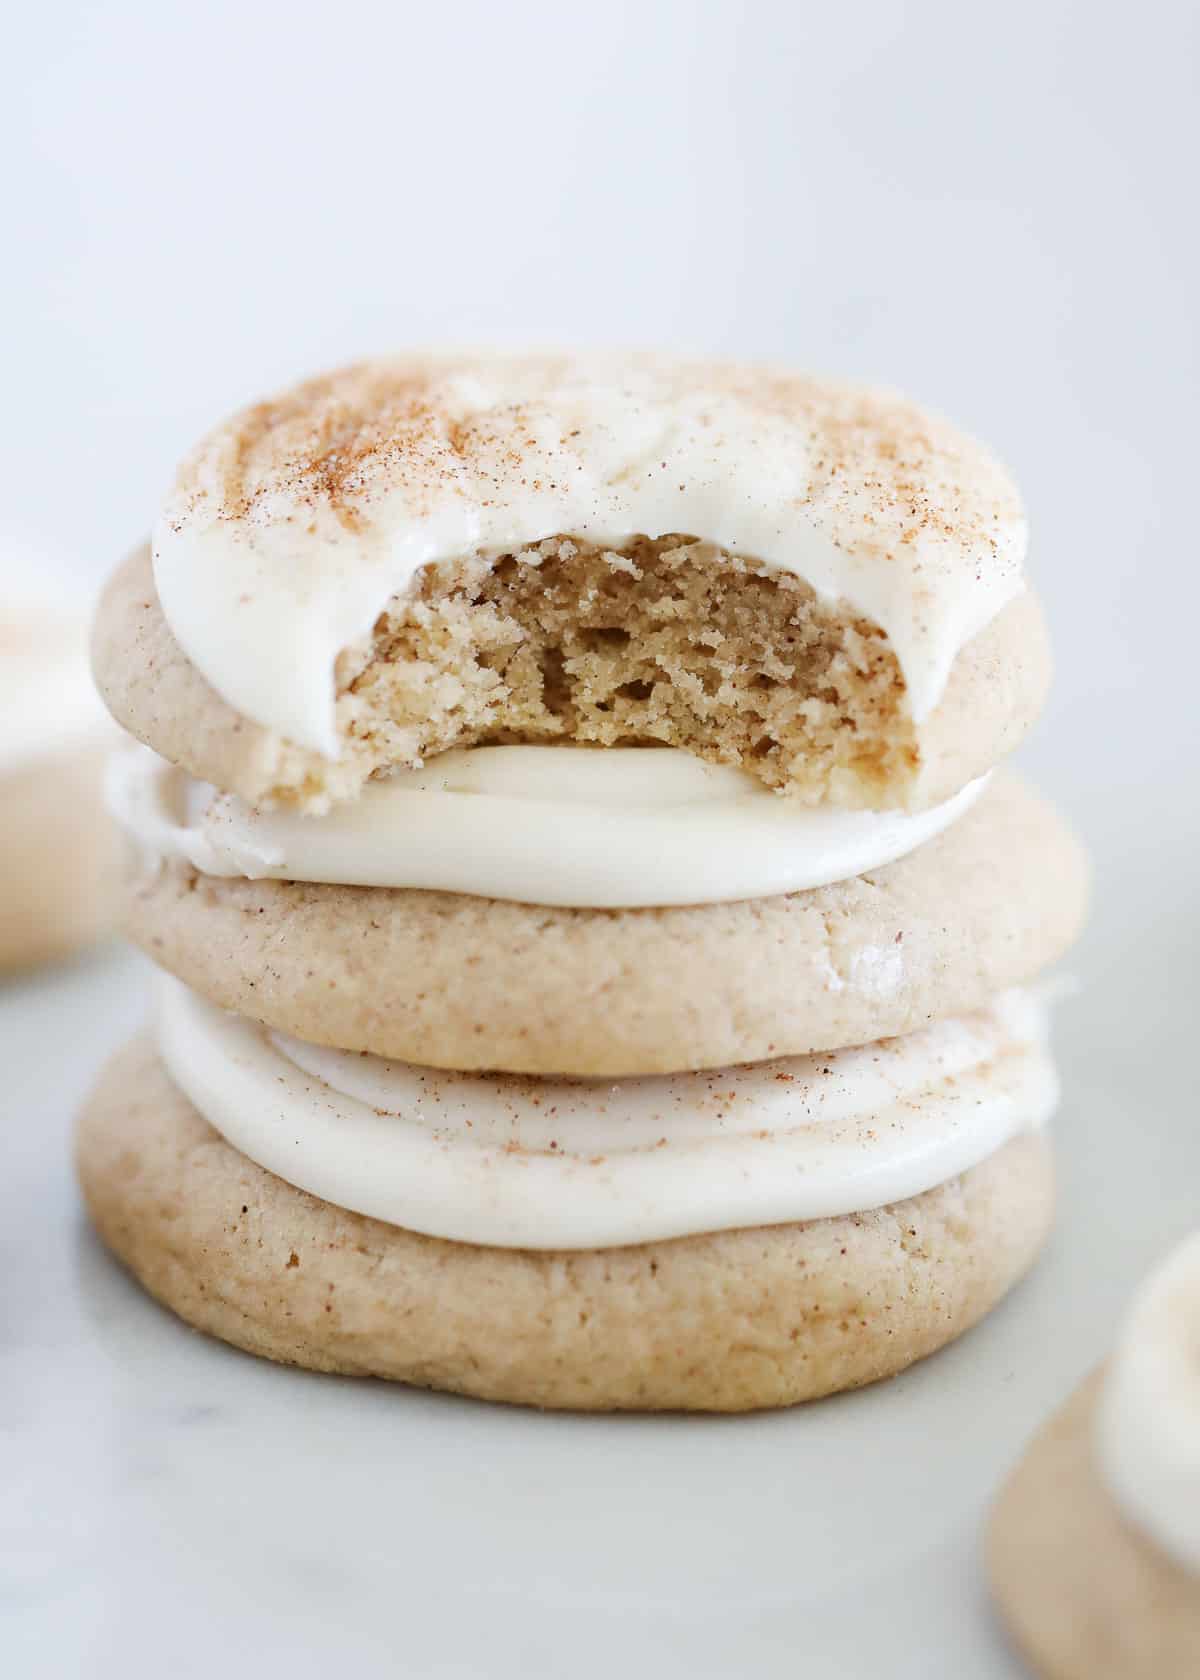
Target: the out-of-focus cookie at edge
pixel 59 852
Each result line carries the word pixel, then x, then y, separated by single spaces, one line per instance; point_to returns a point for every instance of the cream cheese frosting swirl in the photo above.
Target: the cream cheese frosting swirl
pixel 294 523
pixel 586 828
pixel 573 1164
pixel 1148 1422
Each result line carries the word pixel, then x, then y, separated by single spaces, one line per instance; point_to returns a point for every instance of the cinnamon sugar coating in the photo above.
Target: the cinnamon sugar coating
pixel 664 642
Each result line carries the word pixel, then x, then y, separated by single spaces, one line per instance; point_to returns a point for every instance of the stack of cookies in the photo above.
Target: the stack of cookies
pixel 597 941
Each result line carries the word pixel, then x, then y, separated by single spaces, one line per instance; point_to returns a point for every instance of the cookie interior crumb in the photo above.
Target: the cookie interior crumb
pixel 667 641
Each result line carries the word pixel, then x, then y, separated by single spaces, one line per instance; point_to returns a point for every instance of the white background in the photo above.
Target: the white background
pixel 991 207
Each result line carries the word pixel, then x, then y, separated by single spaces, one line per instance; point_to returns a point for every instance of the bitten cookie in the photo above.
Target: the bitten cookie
pixel 820 584
pixel 594 942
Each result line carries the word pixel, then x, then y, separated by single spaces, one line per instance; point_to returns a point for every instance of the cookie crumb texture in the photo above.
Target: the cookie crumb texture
pixel 60 860
pixel 730 1322
pixel 668 641
pixel 702 651
pixel 456 981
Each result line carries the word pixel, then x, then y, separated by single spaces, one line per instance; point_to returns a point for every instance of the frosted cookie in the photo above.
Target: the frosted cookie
pixel 818 584
pixel 1095 1543
pixel 601 720
pixel 458 980
pixel 59 861
pixel 709 1242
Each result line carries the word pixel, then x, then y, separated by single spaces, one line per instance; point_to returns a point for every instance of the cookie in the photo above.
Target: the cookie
pixel 734 1321
pixel 995 691
pixel 457 981
pixel 820 584
pixel 1086 1596
pixel 59 854
pixel 1094 1545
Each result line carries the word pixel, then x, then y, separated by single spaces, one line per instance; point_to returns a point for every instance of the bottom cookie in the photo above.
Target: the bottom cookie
pixel 60 859
pixel 733 1321
pixel 1085 1595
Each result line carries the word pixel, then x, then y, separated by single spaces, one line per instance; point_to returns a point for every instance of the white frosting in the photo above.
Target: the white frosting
pixel 48 703
pixel 619 827
pixel 1148 1422
pixel 558 1163
pixel 293 524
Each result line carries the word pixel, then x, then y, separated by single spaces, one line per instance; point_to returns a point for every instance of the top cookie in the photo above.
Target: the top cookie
pixel 819 583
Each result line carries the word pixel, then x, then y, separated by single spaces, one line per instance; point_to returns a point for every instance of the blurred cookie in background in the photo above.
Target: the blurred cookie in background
pixel 1094 1545
pixel 59 854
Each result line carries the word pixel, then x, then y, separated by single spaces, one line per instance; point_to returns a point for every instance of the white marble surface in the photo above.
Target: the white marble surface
pixel 170 1505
